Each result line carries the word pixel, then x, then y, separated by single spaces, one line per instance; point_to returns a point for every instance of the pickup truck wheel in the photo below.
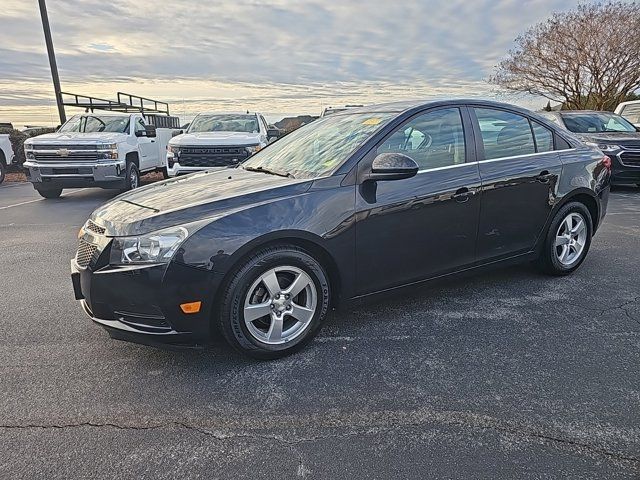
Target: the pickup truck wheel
pixel 2 170
pixel 132 179
pixel 165 172
pixel 49 192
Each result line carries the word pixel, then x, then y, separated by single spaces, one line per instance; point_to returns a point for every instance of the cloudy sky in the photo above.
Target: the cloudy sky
pixel 276 56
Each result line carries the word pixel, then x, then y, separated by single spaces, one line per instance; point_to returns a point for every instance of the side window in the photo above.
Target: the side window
pixel 434 139
pixel 139 127
pixel 544 137
pixel 504 134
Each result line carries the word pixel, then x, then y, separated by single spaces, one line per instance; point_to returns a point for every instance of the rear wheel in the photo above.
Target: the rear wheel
pixel 568 240
pixel 49 192
pixel 275 303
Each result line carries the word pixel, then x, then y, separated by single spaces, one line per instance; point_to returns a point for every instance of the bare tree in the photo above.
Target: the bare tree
pixel 585 58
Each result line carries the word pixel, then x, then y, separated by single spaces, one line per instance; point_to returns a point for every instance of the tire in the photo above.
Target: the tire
pixel 558 257
pixel 49 192
pixel 165 172
pixel 3 169
pixel 252 289
pixel 132 178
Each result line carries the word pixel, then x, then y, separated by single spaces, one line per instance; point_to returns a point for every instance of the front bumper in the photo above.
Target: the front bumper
pixel 109 174
pixel 141 303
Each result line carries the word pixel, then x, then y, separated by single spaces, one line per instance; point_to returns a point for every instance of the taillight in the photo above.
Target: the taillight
pixel 606 162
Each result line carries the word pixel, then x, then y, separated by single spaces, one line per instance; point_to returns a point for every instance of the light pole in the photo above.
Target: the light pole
pixel 52 60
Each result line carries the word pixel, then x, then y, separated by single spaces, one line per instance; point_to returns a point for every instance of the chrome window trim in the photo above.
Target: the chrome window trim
pixel 447 167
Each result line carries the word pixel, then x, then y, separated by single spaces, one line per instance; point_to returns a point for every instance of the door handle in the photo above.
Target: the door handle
pixel 544 176
pixel 153 141
pixel 462 195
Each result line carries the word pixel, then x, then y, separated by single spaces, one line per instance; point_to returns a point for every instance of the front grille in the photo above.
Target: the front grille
pixel 92 227
pixel 86 253
pixel 72 153
pixel 205 157
pixel 630 159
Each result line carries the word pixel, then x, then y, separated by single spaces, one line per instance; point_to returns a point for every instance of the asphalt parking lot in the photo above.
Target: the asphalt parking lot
pixel 507 374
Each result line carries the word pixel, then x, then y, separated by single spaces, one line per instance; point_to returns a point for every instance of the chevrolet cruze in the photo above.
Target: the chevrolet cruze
pixel 359 202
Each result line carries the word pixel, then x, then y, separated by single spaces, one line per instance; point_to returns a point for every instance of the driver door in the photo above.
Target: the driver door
pixel 412 229
pixel 147 147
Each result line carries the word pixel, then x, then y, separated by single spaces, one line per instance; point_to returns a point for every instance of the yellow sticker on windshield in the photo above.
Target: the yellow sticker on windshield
pixel 372 121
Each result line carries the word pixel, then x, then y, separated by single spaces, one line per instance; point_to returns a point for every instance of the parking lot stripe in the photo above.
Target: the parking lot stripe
pixel 38 200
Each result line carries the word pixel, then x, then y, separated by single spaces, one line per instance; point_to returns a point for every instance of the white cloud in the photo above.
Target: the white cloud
pixel 307 50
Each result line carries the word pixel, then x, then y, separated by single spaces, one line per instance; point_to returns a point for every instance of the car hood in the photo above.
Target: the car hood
pixel 191 198
pixel 75 137
pixel 619 138
pixel 216 138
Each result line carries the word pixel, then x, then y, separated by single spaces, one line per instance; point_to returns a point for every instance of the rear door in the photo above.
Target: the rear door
pixel 412 229
pixel 519 170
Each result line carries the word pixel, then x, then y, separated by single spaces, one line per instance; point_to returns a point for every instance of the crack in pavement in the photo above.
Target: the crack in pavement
pixel 459 419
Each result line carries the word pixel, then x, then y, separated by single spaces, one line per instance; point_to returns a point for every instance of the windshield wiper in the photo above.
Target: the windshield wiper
pixel 270 172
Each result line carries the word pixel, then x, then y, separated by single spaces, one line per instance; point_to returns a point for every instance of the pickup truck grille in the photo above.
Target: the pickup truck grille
pixel 206 157
pixel 630 159
pixel 73 153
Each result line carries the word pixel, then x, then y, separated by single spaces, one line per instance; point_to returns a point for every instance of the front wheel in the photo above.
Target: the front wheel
pixel 568 240
pixel 3 170
pixel 275 303
pixel 132 179
pixel 49 192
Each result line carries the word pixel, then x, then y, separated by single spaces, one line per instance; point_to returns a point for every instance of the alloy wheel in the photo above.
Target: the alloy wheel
pixel 280 305
pixel 571 239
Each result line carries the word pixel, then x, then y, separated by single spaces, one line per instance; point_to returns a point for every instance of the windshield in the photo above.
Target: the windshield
pixel 95 123
pixel 224 123
pixel 596 123
pixel 320 147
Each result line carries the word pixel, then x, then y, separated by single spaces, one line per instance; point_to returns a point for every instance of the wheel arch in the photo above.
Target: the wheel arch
pixel 134 158
pixel 588 199
pixel 309 242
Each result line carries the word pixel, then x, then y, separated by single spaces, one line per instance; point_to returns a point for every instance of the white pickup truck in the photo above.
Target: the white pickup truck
pixel 218 140
pixel 98 150
pixel 631 111
pixel 6 155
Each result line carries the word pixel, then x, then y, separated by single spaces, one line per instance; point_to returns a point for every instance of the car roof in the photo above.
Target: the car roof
pixel 409 105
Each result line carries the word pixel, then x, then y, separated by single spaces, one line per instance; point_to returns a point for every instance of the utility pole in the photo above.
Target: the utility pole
pixel 52 60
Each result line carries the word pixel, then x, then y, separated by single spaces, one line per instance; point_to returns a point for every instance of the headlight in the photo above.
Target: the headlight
pixel 605 147
pixel 156 247
pixel 253 149
pixel 172 151
pixel 108 151
pixel 28 146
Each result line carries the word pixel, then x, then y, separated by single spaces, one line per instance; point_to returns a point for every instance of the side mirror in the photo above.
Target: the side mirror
pixel 273 133
pixel 392 166
pixel 149 131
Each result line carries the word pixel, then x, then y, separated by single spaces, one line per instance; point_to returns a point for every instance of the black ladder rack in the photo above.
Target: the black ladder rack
pixel 126 103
